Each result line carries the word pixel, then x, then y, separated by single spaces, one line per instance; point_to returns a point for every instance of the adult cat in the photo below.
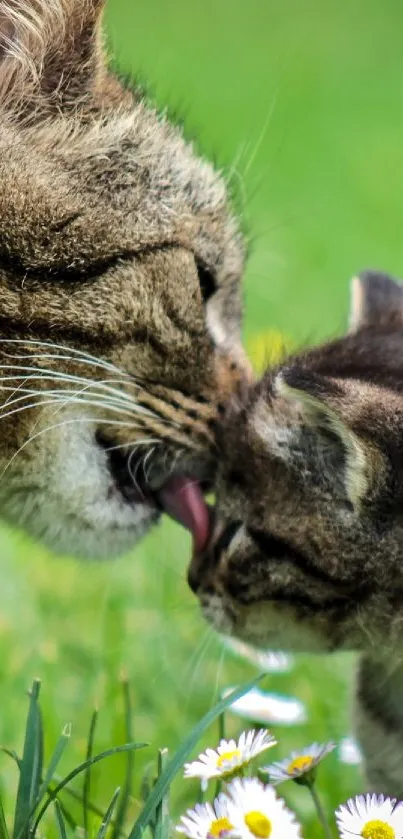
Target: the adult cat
pixel 119 293
pixel 308 547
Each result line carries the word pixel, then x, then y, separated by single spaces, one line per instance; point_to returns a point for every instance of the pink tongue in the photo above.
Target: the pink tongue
pixel 182 499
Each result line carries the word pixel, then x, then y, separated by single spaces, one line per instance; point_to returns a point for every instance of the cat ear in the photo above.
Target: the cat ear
pixel 50 52
pixel 316 397
pixel 376 300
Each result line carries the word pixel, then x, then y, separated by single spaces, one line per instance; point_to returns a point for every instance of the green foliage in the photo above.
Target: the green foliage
pixel 38 788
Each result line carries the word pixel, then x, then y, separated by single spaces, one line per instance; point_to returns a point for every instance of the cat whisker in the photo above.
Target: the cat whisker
pixel 146 470
pixel 46 374
pixel 203 649
pixel 71 353
pixel 220 667
pixel 106 392
pixel 132 474
pixel 74 397
pixel 128 407
pixel 84 420
pixel 132 444
pixel 80 356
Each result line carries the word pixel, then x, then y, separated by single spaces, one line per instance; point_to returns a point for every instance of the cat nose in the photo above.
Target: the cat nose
pixel 200 568
pixel 195 573
pixel 204 564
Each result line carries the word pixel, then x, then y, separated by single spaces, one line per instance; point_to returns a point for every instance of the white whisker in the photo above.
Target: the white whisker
pixel 147 457
pixel 68 352
pixel 107 393
pixel 88 420
pixel 209 638
pixel 132 443
pixel 73 397
pixel 220 666
pixel 133 476
pixel 46 374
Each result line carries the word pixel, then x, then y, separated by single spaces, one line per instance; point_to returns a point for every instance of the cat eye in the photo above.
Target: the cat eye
pixel 207 281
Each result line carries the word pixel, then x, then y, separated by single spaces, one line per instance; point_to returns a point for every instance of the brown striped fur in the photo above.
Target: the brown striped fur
pixel 308 543
pixel 117 247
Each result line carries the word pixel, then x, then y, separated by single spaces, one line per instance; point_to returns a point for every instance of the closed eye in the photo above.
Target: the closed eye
pixel 270 546
pixel 279 549
pixel 207 281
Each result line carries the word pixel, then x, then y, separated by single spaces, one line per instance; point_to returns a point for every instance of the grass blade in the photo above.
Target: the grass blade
pixel 76 796
pixel 108 815
pixel 161 830
pixel 128 784
pixel 221 736
pixel 60 821
pixel 68 818
pixel 176 763
pixel 77 771
pixel 54 762
pixel 87 776
pixel 30 767
pixel 3 826
pixel 147 781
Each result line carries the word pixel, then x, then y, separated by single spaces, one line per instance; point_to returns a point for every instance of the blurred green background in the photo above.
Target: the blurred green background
pixel 301 103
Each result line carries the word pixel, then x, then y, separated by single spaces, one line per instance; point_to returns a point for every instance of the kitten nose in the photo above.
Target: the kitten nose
pixel 195 573
pixel 203 564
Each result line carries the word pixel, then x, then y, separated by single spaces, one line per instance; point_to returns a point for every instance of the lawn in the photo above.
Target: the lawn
pixel 301 104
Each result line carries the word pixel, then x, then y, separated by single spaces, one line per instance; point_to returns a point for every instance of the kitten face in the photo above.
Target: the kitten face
pixel 120 264
pixel 306 550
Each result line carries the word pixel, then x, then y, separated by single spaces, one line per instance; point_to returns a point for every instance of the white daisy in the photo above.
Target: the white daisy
pixel 349 751
pixel 229 757
pixel 370 817
pixel 268 708
pixel 257 813
pixel 207 821
pixel 298 766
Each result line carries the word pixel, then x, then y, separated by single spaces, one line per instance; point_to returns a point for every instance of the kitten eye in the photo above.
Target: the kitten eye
pixel 208 285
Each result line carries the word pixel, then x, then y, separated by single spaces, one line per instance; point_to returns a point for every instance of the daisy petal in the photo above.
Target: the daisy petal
pixel 370 816
pixel 258 813
pixel 229 756
pixel 298 765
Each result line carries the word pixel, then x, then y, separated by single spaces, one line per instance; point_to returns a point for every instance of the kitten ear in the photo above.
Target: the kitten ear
pixel 50 52
pixel 376 300
pixel 316 399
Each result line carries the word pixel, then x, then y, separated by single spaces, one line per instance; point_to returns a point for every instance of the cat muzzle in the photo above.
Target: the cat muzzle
pixel 140 481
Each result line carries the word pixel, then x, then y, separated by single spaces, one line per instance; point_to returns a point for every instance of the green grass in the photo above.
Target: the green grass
pixel 301 103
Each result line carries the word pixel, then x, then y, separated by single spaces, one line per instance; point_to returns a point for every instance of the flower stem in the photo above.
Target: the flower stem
pixel 221 726
pixel 320 811
pixel 221 736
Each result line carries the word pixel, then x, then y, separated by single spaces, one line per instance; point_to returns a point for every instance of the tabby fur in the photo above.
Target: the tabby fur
pixel 120 263
pixel 308 542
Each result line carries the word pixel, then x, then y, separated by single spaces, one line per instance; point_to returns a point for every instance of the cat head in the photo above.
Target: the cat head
pixel 308 540
pixel 120 264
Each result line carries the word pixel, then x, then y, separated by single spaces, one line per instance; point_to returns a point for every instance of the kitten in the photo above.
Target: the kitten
pixel 120 266
pixel 307 551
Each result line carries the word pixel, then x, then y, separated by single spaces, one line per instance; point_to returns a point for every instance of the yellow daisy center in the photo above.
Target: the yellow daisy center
pixel 377 830
pixel 258 824
pixel 226 757
pixel 220 826
pixel 300 764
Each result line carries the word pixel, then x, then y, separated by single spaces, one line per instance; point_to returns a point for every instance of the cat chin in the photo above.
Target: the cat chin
pixel 265 628
pixel 296 639
pixel 86 540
